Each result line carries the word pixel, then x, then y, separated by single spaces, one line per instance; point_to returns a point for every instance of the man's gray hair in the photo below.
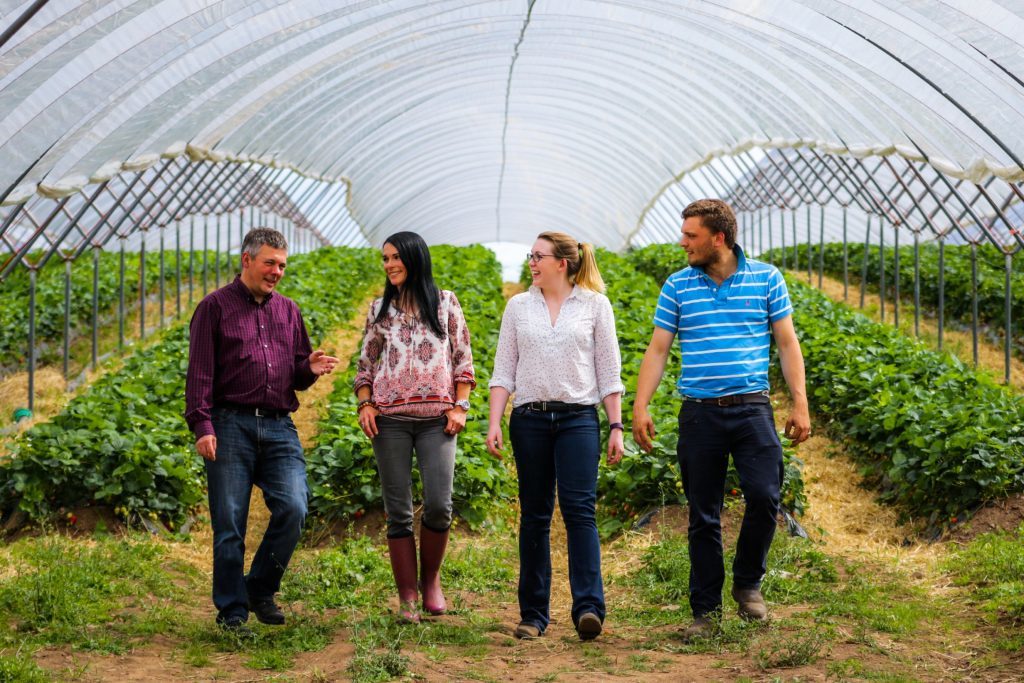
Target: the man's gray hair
pixel 258 237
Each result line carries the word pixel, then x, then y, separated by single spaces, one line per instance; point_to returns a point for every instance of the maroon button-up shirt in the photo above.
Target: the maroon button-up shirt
pixel 246 353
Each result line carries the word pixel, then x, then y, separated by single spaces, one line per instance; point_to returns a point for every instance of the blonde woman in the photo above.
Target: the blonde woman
pixel 558 353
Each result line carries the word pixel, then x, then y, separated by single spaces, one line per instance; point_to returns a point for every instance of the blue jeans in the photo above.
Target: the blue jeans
pixel 557 450
pixel 264 452
pixel 707 435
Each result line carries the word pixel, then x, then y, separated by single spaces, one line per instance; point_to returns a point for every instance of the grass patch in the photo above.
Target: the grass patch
pixel 482 568
pixel 993 566
pixel 783 649
pixel 64 589
pixel 354 574
pixel 18 667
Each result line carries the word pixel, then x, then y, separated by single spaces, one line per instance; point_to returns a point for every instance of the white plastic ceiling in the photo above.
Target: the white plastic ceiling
pixel 477 121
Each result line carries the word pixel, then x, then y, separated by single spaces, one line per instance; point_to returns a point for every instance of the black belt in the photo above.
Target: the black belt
pixel 556 406
pixel 733 400
pixel 272 413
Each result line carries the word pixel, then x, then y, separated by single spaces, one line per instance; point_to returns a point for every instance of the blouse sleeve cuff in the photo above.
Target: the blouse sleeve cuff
pixel 510 387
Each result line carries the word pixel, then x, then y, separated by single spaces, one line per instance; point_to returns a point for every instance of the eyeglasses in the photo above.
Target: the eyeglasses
pixel 537 256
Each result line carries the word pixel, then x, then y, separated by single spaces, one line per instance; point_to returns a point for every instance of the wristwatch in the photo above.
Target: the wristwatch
pixel 464 404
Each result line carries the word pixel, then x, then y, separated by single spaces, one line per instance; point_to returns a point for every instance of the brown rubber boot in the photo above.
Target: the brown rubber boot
pixel 432 547
pixel 402 552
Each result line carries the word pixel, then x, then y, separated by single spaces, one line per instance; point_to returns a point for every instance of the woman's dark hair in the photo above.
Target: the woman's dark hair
pixel 419 281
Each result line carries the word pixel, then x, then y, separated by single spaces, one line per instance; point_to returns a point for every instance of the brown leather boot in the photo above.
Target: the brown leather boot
pixel 702 628
pixel 751 603
pixel 432 547
pixel 402 552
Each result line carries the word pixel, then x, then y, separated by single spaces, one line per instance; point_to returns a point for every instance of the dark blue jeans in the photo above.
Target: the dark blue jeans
pixel 557 450
pixel 264 452
pixel 707 435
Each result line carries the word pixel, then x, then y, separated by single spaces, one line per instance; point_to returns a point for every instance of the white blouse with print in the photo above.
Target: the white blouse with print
pixel 576 360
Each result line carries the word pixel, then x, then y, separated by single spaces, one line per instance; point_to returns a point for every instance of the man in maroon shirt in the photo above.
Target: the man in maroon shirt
pixel 248 354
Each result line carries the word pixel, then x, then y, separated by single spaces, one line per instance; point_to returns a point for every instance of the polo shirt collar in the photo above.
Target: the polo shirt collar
pixel 741 261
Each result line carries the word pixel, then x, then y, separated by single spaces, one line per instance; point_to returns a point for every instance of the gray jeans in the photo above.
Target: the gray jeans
pixel 435 454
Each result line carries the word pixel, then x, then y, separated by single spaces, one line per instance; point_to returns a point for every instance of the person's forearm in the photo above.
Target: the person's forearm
pixel 462 391
pixel 499 399
pixel 364 393
pixel 793 372
pixel 613 407
pixel 651 370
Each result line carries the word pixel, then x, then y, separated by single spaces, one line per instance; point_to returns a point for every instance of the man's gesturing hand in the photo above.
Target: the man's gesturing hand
pixel 321 364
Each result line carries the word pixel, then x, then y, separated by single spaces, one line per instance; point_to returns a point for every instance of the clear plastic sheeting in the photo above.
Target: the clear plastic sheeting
pixel 482 121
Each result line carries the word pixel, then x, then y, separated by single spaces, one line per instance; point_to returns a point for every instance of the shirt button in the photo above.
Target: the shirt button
pixel 264 346
pixel 268 365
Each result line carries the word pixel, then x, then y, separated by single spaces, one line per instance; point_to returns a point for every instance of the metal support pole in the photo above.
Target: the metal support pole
pixel 95 303
pixel 846 262
pixel 31 337
pixel 810 257
pixel 896 278
pixel 864 260
pixel 67 317
pixel 160 323
pixel 142 284
pixel 942 287
pixel 216 255
pixel 881 271
pixel 1007 310
pixel 974 301
pixel 177 267
pixel 917 284
pixel 120 302
pixel 782 231
pixel 821 245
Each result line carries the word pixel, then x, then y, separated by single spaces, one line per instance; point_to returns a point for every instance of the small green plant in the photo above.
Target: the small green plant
pixel 787 649
pixel 992 565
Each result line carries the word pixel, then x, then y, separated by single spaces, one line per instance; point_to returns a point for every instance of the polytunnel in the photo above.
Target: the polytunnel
pixel 135 126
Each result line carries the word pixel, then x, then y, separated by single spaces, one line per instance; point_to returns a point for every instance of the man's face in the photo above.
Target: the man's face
pixel 701 245
pixel 393 266
pixel 261 274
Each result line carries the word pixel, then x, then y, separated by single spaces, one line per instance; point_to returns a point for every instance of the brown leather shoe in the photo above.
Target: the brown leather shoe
pixel 751 604
pixel 702 628
pixel 589 626
pixel 527 631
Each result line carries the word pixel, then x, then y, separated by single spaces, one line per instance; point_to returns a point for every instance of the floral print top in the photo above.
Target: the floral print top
pixel 409 370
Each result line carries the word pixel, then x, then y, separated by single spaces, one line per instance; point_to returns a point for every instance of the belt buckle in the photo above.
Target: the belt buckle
pixel 544 406
pixel 723 401
pixel 259 412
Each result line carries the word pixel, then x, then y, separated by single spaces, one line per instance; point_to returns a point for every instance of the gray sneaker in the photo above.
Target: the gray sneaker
pixel 751 604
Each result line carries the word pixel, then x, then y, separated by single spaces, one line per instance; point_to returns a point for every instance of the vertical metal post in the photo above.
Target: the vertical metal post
pixel 771 249
pixel 864 261
pixel 142 284
pixel 760 232
pixel 782 231
pixel 67 317
pixel 177 266
pixel 917 284
pixel 974 301
pixel 191 258
pixel 846 262
pixel 95 304
pixel 896 278
pixel 881 270
pixel 160 323
pixel 796 243
pixel 942 287
pixel 31 337
pixel 120 302
pixel 1007 310
pixel 216 256
pixel 206 250
pixel 810 257
pixel 241 230
pixel 821 245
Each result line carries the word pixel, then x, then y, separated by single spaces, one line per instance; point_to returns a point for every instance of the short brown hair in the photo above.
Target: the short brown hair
pixel 716 216
pixel 259 237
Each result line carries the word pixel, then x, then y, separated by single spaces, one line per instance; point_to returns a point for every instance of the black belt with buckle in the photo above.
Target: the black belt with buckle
pixel 556 406
pixel 272 413
pixel 733 400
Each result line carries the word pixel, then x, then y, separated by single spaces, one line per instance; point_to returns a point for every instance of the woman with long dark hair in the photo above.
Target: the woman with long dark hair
pixel 413 382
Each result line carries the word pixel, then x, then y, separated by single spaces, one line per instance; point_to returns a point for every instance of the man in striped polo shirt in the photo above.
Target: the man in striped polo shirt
pixel 725 308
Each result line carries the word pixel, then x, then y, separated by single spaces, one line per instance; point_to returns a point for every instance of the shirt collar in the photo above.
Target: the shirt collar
pixel 535 292
pixel 741 261
pixel 244 292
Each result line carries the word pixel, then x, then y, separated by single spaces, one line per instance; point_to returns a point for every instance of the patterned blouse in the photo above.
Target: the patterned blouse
pixel 576 360
pixel 408 369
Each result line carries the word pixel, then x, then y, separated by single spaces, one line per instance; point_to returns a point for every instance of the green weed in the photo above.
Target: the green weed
pixel 784 649
pixel 993 565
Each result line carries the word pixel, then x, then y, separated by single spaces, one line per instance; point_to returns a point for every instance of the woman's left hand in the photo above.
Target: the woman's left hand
pixel 615 447
pixel 456 421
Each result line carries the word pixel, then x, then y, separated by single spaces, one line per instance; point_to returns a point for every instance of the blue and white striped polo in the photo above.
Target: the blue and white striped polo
pixel 724 330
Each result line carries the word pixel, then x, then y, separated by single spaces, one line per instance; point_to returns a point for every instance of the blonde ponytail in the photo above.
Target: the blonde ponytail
pixel 582 265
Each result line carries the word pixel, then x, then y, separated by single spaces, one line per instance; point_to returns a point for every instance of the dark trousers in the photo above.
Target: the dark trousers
pixel 707 435
pixel 557 450
pixel 264 452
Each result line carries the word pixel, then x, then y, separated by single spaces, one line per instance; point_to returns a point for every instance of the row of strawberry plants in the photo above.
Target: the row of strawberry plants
pixel 646 480
pixel 956 270
pixel 935 437
pixel 342 469
pixel 14 313
pixel 123 442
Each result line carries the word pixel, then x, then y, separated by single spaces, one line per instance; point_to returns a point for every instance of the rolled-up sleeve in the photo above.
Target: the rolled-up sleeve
pixel 607 361
pixel 459 341
pixel 373 346
pixel 506 356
